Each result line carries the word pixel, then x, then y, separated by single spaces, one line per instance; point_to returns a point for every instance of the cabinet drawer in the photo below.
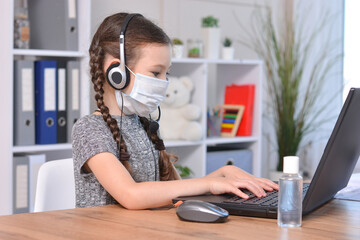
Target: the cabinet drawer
pixel 239 158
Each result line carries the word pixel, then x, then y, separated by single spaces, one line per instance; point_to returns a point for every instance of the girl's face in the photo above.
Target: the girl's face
pixel 154 61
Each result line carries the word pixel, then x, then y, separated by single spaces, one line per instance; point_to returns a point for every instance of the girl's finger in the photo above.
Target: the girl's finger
pixel 239 193
pixel 265 186
pixel 270 183
pixel 252 187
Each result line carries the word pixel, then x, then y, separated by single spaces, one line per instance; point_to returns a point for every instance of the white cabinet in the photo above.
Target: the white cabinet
pixel 211 89
pixel 7 150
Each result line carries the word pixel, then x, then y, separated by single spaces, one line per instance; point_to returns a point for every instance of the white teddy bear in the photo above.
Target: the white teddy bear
pixel 178 116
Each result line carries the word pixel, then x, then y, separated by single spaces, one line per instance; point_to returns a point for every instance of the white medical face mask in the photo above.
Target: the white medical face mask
pixel 145 97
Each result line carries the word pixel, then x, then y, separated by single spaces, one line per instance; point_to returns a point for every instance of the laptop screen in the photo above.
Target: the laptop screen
pixel 340 155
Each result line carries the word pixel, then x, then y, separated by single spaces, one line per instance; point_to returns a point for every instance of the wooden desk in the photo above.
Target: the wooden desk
pixel 339 219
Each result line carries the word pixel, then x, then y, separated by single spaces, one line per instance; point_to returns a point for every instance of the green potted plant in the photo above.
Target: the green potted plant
pixel 227 51
pixel 294 96
pixel 194 48
pixel 194 52
pixel 177 48
pixel 209 21
pixel 184 172
pixel 211 37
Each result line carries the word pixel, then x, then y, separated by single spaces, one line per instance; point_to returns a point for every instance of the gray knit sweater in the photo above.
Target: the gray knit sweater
pixel 91 136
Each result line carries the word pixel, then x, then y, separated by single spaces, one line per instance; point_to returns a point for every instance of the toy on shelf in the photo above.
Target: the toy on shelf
pixel 179 117
pixel 231 117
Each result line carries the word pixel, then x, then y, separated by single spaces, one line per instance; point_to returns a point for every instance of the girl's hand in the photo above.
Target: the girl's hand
pixel 221 185
pixel 237 173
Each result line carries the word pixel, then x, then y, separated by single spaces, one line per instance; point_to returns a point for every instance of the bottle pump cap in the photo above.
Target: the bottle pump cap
pixel 291 164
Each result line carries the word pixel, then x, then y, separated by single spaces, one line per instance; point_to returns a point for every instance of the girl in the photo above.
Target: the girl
pixel 120 130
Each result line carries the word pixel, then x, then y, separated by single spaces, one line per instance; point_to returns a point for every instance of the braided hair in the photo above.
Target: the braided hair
pixel 140 32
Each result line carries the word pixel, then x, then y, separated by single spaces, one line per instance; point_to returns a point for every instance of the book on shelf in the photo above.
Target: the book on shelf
pixel 24 106
pixel 25 174
pixel 61 103
pixel 45 102
pixel 72 96
pixel 54 24
pixel 242 95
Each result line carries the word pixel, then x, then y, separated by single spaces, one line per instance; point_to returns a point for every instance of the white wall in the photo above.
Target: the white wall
pixel 182 19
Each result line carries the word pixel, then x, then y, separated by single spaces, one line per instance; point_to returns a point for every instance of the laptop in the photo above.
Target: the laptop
pixel 332 174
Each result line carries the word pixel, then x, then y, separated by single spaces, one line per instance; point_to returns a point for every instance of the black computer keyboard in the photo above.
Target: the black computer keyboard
pixel 271 198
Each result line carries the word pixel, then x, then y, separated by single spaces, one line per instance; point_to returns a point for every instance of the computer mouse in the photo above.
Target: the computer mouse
pixel 200 211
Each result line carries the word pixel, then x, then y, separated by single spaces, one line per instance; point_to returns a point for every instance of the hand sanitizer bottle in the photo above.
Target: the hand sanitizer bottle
pixel 290 194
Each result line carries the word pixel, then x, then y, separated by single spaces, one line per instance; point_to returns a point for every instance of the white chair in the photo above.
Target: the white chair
pixel 55 188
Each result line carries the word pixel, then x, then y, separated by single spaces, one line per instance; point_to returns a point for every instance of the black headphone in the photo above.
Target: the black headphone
pixel 117 75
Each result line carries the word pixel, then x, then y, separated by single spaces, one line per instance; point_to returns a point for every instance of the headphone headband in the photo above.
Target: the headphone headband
pixel 122 43
pixel 117 75
pixel 126 22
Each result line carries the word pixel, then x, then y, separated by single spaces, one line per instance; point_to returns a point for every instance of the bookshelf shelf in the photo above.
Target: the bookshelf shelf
pixel 222 140
pixel 47 53
pixel 172 144
pixel 41 148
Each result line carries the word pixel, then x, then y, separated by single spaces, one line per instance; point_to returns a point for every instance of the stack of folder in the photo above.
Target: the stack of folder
pixel 46 101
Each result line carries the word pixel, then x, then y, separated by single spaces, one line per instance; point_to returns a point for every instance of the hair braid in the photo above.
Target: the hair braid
pixel 96 61
pixel 167 171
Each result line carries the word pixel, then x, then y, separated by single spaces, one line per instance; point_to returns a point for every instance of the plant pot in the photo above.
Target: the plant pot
pixel 227 53
pixel 211 40
pixel 195 48
pixel 275 175
pixel 178 51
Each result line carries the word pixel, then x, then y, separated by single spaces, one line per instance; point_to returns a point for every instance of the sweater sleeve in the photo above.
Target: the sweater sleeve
pixel 90 137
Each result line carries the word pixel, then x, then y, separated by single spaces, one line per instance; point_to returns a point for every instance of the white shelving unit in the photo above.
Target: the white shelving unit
pixel 193 154
pixel 54 151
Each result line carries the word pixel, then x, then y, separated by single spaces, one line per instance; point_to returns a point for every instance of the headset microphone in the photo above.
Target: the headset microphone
pixel 154 125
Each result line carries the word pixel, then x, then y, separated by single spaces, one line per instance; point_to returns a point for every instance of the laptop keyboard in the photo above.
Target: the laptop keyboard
pixel 271 199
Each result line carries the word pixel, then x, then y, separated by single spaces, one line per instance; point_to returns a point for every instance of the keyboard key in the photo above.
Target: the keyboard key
pixel 272 201
pixel 271 198
pixel 235 199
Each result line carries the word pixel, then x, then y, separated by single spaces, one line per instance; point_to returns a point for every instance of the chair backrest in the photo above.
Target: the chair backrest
pixel 55 188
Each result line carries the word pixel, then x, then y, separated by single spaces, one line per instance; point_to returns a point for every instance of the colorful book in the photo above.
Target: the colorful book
pixel 242 95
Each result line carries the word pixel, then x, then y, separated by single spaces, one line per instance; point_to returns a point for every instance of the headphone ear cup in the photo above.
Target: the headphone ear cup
pixel 115 77
pixel 127 78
